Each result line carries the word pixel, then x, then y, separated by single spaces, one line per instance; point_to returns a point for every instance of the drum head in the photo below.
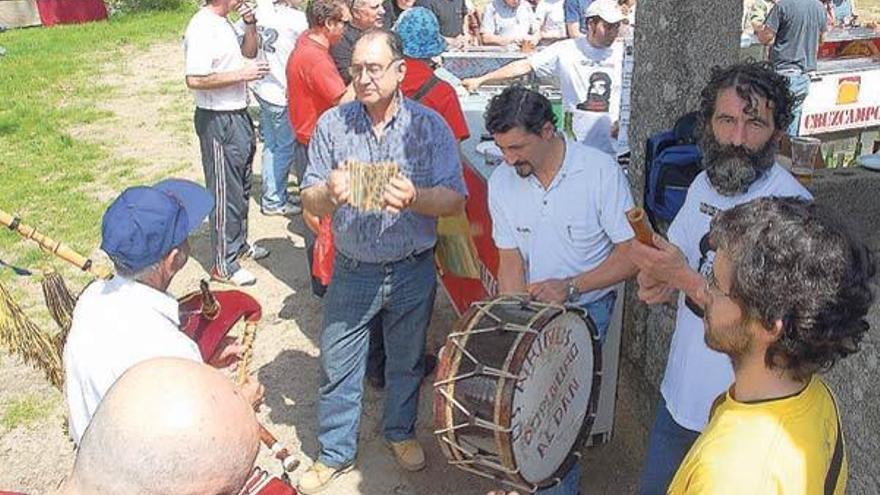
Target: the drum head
pixel 553 397
pixel 517 390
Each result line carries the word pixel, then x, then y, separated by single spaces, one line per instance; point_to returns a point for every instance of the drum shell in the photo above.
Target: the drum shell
pixel 489 397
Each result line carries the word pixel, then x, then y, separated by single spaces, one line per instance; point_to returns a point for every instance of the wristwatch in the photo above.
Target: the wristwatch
pixel 572 290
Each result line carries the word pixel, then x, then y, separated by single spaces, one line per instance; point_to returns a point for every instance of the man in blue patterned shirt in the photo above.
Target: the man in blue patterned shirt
pixel 384 265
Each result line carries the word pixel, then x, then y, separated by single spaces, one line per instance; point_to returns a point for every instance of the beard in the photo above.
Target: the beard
pixel 732 169
pixel 523 168
pixel 731 339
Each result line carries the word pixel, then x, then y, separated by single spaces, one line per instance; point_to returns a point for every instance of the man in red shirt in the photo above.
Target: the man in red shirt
pixel 314 86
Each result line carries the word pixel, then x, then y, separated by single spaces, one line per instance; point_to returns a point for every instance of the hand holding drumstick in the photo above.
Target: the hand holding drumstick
pixel 553 291
pixel 663 268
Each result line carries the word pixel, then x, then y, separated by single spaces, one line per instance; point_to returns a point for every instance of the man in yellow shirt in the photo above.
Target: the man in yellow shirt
pixel 787 297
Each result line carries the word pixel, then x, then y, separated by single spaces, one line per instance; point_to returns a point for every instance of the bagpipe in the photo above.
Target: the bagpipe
pixel 206 316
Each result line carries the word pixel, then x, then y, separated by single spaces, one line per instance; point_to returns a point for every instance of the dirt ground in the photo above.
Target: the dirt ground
pixel 152 125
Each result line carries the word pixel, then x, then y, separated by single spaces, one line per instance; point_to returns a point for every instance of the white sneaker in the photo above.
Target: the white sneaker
pixel 254 252
pixel 240 278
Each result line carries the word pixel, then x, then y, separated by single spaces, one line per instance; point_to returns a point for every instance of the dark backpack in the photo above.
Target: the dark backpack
pixel 672 162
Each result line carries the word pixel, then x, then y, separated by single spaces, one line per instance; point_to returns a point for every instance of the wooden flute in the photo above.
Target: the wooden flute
pixel 288 462
pixel 638 220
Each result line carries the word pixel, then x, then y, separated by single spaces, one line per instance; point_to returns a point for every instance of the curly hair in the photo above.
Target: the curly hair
pixel 750 79
pixel 795 262
pixel 517 106
pixel 319 12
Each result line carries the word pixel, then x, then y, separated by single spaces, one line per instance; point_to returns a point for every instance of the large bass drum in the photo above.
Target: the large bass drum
pixel 517 390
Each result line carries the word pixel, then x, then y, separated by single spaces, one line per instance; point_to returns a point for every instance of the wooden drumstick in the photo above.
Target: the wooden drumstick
pixel 638 220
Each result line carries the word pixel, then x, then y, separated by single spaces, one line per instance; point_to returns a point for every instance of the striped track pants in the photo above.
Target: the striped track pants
pixel 228 145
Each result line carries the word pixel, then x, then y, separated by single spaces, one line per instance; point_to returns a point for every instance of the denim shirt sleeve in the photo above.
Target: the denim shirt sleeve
pixel 572 10
pixel 773 19
pixel 320 152
pixel 446 169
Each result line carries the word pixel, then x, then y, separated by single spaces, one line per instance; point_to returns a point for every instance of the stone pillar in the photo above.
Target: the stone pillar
pixel 677 42
pixel 852 192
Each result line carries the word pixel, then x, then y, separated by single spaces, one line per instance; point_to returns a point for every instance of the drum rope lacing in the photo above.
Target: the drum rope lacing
pixel 474 456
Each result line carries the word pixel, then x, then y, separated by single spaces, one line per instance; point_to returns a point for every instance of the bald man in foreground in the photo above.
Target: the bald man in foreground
pixel 168 426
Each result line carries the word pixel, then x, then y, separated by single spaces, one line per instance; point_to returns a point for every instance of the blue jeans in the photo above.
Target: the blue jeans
pixel 401 293
pixel 277 136
pixel 600 312
pixel 799 85
pixel 668 444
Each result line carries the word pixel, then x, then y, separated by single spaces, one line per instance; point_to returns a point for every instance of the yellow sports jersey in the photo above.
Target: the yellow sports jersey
pixel 780 446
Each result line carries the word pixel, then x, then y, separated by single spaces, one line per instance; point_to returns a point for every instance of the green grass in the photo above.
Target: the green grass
pixel 48 83
pixel 25 411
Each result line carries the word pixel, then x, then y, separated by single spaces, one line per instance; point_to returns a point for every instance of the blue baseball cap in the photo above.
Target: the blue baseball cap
pixel 145 223
pixel 420 33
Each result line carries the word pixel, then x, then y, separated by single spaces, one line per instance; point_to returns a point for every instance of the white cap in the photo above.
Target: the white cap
pixel 607 10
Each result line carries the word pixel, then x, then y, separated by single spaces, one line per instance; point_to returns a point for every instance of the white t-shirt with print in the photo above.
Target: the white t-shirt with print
pixel 568 228
pixel 695 375
pixel 550 15
pixel 279 26
pixel 590 80
pixel 211 46
pixel 502 20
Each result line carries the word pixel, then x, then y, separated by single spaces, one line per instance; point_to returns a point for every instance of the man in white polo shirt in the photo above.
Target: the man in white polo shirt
pixel 589 70
pixel 558 216
pixel 217 73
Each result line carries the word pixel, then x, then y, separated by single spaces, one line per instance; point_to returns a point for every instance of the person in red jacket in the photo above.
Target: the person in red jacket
pixel 313 86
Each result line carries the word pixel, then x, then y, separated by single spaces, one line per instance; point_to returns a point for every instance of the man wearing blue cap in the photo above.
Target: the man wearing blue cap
pixel 120 322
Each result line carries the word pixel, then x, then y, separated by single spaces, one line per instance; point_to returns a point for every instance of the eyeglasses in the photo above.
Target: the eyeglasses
pixel 712 284
pixel 374 71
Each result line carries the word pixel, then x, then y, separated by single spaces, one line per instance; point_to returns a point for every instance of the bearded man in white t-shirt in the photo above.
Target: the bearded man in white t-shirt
pixel 745 110
pixel 577 64
pixel 558 217
pixel 217 72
